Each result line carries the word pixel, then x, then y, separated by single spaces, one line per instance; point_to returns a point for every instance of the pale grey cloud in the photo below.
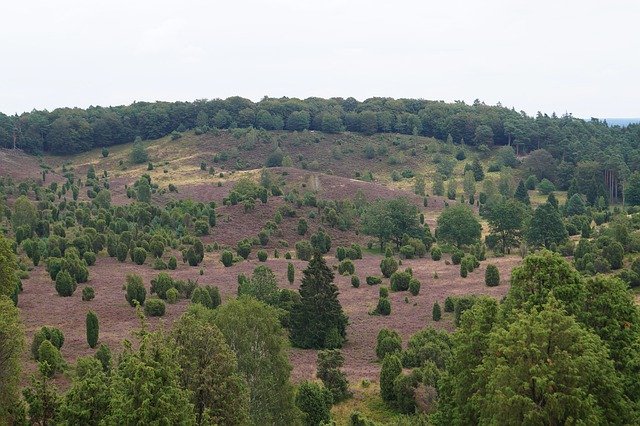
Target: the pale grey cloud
pixel 576 56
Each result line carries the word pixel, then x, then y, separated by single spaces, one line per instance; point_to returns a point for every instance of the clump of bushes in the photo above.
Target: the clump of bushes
pixel 88 294
pixel 346 267
pixel 136 293
pixel 388 342
pixel 373 280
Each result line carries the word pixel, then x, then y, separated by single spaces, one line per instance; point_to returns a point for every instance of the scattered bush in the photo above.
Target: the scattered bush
pixel 391 368
pixel 355 281
pixel 173 263
pixel 373 280
pixel 88 294
pixel 384 306
pixel 139 255
pixel 436 312
pixel 388 266
pixel 154 307
pixel 388 342
pixel 92 329
pixel 227 258
pixel 400 281
pixel 65 284
pixel 414 286
pixel 172 295
pixel 262 255
pixel 491 276
pixel 436 253
pixel 136 293
pixel 346 267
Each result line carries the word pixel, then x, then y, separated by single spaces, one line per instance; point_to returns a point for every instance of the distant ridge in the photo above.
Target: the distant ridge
pixel 622 121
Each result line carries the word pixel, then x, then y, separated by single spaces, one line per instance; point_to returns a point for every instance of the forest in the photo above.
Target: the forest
pixel 318 262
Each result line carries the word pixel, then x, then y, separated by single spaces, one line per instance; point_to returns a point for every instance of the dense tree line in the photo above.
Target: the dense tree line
pixel 72 130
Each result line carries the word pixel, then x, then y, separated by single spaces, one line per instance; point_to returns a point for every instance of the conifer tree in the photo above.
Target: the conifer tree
pixel 318 318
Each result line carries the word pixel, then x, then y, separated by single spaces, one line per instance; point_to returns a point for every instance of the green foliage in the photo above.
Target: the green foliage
pixel 388 266
pixel 145 385
pixel 262 255
pixel 12 342
pixel 506 219
pixel 253 331
pixel 328 370
pixel 346 267
pixel 388 342
pixel 65 284
pixel 172 295
pixel 414 287
pixel 304 250
pixel 154 307
pixel 263 285
pixel 373 280
pixel 226 258
pixel 138 153
pixel 355 281
pixel 50 358
pixel 436 253
pixel 315 402
pixel 103 354
pixel 400 281
pixel 384 306
pixel 390 220
pixel 87 401
pixel 139 255
pixel 391 368
pixel 209 369
pixel 93 329
pixel 436 312
pixel 290 272
pixel 546 227
pixel 319 311
pixel 136 293
pixel 458 225
pixel 492 276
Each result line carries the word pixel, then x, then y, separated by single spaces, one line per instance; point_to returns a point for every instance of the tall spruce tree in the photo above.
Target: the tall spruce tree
pixel 318 320
pixel 521 194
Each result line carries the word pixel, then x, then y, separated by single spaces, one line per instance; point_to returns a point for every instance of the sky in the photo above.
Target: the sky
pixel 580 57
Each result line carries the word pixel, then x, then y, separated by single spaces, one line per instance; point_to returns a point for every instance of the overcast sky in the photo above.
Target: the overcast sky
pixel 581 57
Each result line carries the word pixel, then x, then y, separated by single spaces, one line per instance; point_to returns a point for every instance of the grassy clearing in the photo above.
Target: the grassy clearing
pixel 367 400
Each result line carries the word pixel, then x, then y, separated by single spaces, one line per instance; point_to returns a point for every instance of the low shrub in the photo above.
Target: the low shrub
pixel 154 307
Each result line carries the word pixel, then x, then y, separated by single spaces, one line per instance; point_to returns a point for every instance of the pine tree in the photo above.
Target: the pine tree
pixel 92 329
pixel 391 368
pixel 521 194
pixel 319 314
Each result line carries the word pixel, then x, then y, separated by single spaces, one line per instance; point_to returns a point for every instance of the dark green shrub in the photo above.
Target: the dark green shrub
pixel 449 304
pixel 154 308
pixel 315 401
pixel 400 281
pixel 161 284
pixel 173 263
pixel 290 272
pixel 407 251
pixel 121 252
pixel 355 281
pixel 436 312
pixel 388 342
pixel 388 266
pixel 328 370
pixel 227 258
pixel 50 356
pixel 103 354
pixel 491 276
pixel 172 295
pixel 244 248
pixel 414 286
pixel 88 294
pixel 139 255
pixel 391 368
pixel 135 290
pixel 158 264
pixel 373 280
pixel 341 253
pixel 436 253
pixel 89 257
pixel 404 387
pixel 463 269
pixel 346 267
pixel 456 256
pixel 93 329
pixel 52 334
pixel 383 292
pixel 304 250
pixel 303 226
pixel 65 284
pixel 262 255
pixel 384 306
